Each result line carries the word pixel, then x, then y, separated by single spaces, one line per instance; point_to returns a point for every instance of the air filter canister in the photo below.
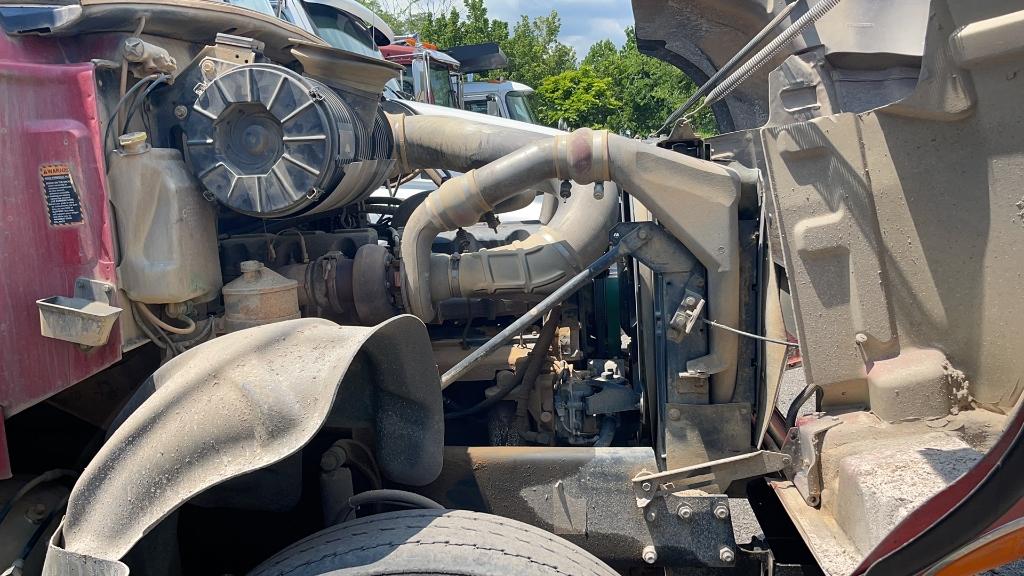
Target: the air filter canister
pixel 268 142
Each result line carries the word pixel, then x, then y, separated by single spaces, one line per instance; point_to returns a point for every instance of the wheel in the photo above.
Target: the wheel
pixel 433 542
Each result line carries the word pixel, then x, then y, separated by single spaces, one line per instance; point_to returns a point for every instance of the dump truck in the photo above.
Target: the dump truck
pixel 223 351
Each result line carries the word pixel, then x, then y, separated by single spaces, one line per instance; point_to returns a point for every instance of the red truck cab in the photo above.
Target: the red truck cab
pixel 430 75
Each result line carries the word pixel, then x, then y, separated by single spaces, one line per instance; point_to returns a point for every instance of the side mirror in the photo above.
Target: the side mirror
pixel 492 106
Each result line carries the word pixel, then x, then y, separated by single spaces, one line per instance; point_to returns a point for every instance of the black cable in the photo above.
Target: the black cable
pixel 128 94
pixel 794 408
pixel 163 79
pixel 383 200
pixel 606 434
pixel 533 365
pixel 387 496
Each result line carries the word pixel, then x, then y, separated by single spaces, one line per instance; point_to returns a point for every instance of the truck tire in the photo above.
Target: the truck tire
pixel 433 542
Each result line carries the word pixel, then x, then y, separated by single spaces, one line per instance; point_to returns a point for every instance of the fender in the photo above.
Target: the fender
pixel 245 401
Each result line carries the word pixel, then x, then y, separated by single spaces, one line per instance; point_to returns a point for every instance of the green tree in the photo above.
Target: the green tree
pixel 534 52
pixel 649 88
pixel 443 29
pixel 478 28
pixel 578 97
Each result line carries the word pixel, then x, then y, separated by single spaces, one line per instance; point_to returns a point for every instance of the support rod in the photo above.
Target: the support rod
pixel 557 297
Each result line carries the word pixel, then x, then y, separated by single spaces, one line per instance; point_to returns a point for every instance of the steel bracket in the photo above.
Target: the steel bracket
pixel 95 290
pixel 803 448
pixel 685 317
pixel 649 486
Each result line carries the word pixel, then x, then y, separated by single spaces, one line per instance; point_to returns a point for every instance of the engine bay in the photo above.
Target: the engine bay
pixel 280 301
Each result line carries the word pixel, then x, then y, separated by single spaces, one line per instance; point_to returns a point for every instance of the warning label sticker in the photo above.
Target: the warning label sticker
pixel 62 201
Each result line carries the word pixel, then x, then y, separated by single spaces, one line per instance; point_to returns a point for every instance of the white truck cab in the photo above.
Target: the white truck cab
pixel 505 99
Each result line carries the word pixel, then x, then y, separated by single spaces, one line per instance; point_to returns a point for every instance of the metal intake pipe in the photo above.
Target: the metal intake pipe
pixel 574 236
pixel 454 143
pixel 693 199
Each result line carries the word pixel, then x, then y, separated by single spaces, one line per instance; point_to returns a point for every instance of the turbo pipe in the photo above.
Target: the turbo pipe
pixel 571 239
pixel 693 199
pixel 451 143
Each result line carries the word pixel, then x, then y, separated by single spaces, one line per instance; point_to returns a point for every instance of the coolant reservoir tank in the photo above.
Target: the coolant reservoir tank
pixel 259 296
pixel 166 230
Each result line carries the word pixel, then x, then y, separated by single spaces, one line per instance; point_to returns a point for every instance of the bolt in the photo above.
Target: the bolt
pixel 651 515
pixel 642 234
pixel 598 190
pixel 546 417
pixel 207 67
pixel 726 554
pixel 565 190
pixel 646 486
pixel 721 511
pixel 180 112
pixel 861 338
pixel 690 301
pixel 36 513
pixel 684 512
pixel 674 414
pixel 650 555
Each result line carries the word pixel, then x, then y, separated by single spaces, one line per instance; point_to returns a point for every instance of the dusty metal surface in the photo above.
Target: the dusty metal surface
pixel 928 250
pixel 899 250
pixel 250 399
pixel 189 20
pixel 583 495
pixel 259 296
pixel 699 36
pixel 54 217
pixel 707 476
pixel 875 474
pixel 85 319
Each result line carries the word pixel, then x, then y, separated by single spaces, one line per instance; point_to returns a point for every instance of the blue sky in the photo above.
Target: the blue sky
pixel 583 21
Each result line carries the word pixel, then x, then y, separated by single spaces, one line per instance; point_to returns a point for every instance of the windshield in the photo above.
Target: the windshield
pixel 519 107
pixel 478 105
pixel 441 86
pixel 341 31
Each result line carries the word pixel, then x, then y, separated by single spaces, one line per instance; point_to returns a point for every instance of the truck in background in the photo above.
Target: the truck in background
pixel 445 78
